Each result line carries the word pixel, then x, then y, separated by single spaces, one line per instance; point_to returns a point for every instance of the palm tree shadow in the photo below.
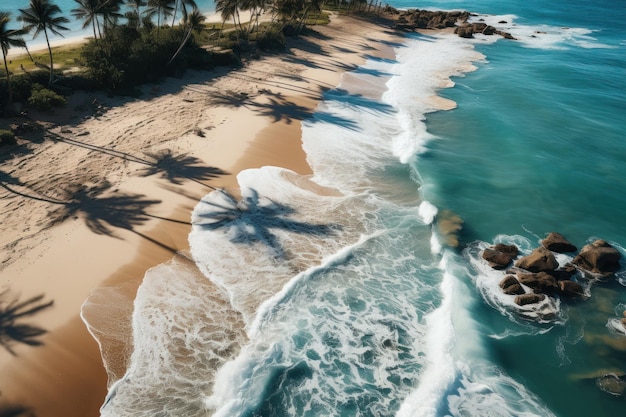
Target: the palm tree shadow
pixel 101 214
pixel 253 220
pixel 12 330
pixel 176 168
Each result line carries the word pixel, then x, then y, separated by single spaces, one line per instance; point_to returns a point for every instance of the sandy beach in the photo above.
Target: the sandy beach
pixel 106 189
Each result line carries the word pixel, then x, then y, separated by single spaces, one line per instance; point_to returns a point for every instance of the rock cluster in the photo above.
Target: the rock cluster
pixel 467 30
pixel 426 19
pixel 537 275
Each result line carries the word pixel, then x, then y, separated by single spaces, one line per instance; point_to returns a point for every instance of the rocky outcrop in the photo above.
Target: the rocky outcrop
pixel 555 242
pixel 511 286
pixel 599 258
pixel 500 255
pixel 467 30
pixel 538 275
pixel 531 298
pixel 540 260
pixel 540 282
pixel 427 19
pixel 415 19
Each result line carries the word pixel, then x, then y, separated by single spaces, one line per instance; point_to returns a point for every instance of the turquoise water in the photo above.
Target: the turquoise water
pixel 337 296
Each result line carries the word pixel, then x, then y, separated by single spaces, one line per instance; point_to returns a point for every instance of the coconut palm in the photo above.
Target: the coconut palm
pixel 11 313
pixel 134 16
pixel 9 38
pixel 191 21
pixel 41 15
pixel 160 8
pixel 184 5
pixel 229 9
pixel 88 10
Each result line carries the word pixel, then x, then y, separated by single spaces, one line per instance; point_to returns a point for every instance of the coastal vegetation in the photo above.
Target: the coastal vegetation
pixel 139 41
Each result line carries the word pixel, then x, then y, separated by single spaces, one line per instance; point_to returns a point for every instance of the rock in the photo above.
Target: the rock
pixel 507 281
pixel 464 32
pixel 497 259
pixel 540 282
pixel 612 384
pixel 531 298
pixel 515 289
pixel 564 273
pixel 540 260
pixel 598 258
pixel 555 242
pixel 511 286
pixel 512 249
pixel 570 289
pixel 489 30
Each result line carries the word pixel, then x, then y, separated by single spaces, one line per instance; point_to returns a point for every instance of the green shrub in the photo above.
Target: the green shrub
pixel 43 99
pixel 7 137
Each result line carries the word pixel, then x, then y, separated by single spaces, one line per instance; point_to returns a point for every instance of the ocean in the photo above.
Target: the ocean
pixel 343 294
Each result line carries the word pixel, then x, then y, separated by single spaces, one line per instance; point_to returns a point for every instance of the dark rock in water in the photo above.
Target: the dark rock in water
pixel 540 281
pixel 507 281
pixel 540 260
pixel 464 32
pixel 500 256
pixel 557 243
pixel 497 259
pixel 428 19
pixel 515 289
pixel 511 249
pixel 570 289
pixel 612 384
pixel 511 286
pixel 531 298
pixel 502 22
pixel 564 273
pixel 598 258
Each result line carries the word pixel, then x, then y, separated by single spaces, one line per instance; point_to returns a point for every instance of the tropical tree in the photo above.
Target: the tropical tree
pixel 134 16
pixel 88 10
pixel 9 38
pixel 229 9
pixel 42 16
pixel 160 8
pixel 183 4
pixel 110 12
pixel 191 21
pixel 11 331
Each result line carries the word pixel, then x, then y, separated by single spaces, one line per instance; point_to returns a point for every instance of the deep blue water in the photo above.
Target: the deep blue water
pixel 350 300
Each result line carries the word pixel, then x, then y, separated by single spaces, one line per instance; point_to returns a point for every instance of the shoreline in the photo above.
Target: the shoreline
pixel 257 130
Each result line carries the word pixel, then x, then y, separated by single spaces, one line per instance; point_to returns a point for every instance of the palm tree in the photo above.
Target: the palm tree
pixel 110 12
pixel 13 332
pixel 88 10
pixel 134 16
pixel 229 9
pixel 183 3
pixel 9 38
pixel 160 7
pixel 191 21
pixel 41 15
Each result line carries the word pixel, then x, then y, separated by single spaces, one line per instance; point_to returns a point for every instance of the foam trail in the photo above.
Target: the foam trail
pixel 268 306
pixel 440 372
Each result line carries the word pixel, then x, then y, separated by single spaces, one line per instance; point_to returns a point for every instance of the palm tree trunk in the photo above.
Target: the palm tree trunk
pixel 45 32
pixel 6 68
pixel 175 11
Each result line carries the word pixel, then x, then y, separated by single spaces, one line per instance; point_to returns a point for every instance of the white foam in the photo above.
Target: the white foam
pixel 427 211
pixel 540 36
